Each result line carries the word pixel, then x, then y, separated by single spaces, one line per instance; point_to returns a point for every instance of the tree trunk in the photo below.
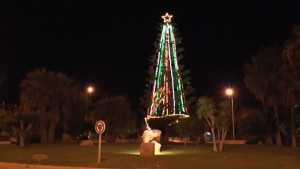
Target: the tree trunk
pixel 224 131
pixel 219 139
pixel 43 134
pixel 198 141
pixel 21 133
pixel 51 133
pixel 43 126
pixel 215 149
pixel 165 134
pixel 278 135
pixel 293 127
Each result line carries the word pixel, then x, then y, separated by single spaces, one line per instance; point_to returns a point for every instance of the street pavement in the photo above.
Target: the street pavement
pixel 4 165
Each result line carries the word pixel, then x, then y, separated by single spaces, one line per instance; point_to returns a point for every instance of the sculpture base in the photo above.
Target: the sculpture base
pixel 147 149
pixel 150 149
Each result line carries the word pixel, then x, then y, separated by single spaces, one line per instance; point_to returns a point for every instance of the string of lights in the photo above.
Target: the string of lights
pixel 167 92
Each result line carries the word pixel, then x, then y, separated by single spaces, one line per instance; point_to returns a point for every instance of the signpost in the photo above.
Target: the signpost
pixel 100 128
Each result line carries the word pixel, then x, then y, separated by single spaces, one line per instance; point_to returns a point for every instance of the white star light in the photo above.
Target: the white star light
pixel 167 18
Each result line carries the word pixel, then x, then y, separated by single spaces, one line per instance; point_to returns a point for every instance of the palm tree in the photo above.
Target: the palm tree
pixel 262 78
pixel 223 119
pixel 206 109
pixel 291 71
pixel 48 94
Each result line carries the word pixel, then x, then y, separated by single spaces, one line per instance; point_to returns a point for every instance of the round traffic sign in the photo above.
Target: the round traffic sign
pixel 100 127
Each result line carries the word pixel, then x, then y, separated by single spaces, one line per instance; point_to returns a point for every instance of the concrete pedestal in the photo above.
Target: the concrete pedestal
pixel 147 149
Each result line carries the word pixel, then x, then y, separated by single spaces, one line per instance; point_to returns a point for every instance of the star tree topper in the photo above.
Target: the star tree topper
pixel 167 18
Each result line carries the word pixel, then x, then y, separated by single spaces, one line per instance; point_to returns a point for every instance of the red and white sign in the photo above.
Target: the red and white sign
pixel 100 127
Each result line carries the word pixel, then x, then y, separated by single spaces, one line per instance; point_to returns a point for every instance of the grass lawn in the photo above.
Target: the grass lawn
pixel 126 155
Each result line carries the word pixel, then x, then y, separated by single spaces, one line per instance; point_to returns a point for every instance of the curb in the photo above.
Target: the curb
pixel 6 164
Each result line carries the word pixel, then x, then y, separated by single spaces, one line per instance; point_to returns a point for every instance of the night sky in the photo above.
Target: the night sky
pixel 108 44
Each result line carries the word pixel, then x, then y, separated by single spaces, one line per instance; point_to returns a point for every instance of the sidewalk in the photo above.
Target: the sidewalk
pixel 31 166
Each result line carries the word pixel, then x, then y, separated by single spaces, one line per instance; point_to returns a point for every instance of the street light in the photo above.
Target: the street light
pixel 87 126
pixel 229 92
pixel 89 91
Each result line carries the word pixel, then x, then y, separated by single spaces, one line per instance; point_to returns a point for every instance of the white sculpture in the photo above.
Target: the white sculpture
pixel 150 135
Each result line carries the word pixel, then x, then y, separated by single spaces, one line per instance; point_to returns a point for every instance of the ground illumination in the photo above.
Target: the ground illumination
pixel 162 153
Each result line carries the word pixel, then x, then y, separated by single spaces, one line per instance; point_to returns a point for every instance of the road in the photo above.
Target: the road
pixel 4 165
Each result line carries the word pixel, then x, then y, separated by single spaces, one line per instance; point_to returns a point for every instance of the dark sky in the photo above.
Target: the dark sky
pixel 109 43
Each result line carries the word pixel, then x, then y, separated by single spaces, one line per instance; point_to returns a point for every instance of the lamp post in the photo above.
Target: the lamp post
pixel 229 92
pixel 89 91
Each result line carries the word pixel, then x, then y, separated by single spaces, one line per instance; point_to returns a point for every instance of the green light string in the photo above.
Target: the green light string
pixel 180 86
pixel 161 66
pixel 157 75
pixel 171 53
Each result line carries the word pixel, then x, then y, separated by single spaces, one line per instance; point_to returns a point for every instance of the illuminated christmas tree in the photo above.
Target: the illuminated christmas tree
pixel 167 97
